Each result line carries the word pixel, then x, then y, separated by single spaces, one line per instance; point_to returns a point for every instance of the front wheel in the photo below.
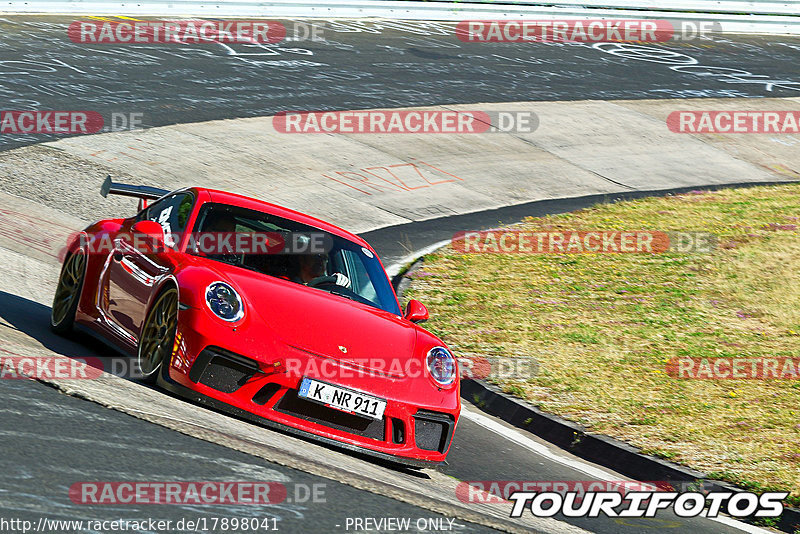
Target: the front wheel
pixel 68 293
pixel 158 335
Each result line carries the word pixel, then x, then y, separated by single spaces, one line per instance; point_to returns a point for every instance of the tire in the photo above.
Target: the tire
pixel 158 335
pixel 68 293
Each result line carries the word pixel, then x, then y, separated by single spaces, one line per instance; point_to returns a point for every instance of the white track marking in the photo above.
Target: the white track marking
pixel 394 268
pixel 741 526
pixel 524 441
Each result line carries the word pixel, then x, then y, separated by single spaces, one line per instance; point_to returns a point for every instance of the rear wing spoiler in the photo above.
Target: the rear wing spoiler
pixel 142 192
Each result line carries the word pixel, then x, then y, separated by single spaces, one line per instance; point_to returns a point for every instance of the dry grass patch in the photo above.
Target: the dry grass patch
pixel 603 326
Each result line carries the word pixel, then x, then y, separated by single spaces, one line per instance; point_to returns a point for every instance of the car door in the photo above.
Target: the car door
pixel 133 270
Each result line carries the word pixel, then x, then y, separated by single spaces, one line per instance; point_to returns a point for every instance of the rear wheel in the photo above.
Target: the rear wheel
pixel 158 335
pixel 68 292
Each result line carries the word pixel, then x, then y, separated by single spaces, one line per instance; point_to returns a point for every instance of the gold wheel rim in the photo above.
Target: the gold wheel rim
pixel 158 335
pixel 69 284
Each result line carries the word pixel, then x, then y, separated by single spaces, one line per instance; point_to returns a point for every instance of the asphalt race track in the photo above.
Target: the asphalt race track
pixel 362 65
pixel 50 440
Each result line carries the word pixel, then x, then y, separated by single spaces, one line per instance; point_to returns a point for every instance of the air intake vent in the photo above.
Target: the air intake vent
pixel 221 370
pixel 293 405
pixel 433 430
pixel 398 431
pixel 265 394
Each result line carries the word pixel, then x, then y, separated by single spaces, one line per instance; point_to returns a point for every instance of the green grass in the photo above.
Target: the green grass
pixel 603 326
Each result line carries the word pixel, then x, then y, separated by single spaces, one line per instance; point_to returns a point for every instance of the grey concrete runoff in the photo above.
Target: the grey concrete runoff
pixel 362 183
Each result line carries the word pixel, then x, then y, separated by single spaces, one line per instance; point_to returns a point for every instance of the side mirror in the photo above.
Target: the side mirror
pixel 148 236
pixel 416 312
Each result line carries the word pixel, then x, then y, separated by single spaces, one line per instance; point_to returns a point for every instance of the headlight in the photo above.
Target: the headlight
pixel 442 365
pixel 224 301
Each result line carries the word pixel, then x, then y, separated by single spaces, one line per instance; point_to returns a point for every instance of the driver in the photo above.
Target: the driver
pixel 312 269
pixel 220 222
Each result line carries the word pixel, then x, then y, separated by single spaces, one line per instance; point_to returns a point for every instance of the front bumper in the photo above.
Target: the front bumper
pixel 416 429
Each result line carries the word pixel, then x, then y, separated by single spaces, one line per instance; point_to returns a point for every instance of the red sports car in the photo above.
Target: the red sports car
pixel 267 313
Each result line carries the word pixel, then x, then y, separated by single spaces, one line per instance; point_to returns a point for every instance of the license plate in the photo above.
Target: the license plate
pixel 346 400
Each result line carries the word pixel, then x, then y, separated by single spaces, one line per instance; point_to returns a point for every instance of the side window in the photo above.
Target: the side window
pixel 172 213
pixel 358 275
pixel 184 211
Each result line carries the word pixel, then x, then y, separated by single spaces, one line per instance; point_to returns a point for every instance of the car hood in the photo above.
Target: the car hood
pixel 318 322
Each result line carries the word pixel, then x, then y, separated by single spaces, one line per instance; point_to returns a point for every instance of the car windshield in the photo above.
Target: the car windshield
pixel 286 249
